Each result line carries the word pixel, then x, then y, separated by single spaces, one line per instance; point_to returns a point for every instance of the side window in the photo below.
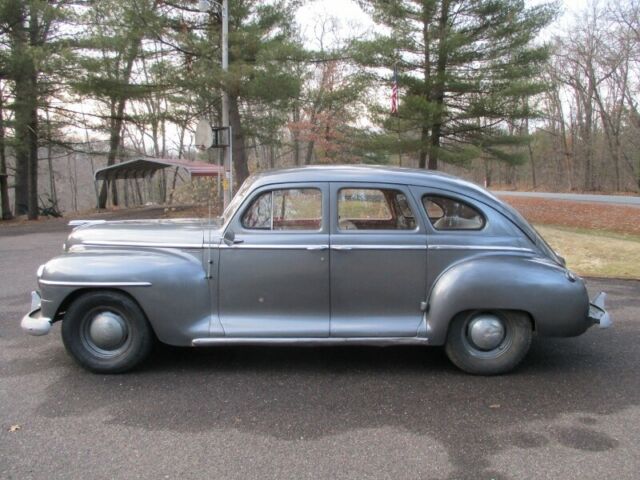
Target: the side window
pixel 286 209
pixel 448 214
pixel 374 209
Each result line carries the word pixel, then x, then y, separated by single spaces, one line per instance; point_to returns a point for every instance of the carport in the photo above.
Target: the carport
pixel 146 168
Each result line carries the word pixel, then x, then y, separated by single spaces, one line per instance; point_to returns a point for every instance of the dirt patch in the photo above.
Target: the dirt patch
pixel 590 216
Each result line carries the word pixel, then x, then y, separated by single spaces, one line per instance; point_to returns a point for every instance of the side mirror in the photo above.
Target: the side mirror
pixel 229 238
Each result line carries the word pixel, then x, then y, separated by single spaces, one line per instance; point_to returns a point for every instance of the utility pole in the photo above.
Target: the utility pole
pixel 223 7
pixel 228 165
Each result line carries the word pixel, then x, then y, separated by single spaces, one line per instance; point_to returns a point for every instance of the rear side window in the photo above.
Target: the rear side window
pixel 374 209
pixel 286 209
pixel 450 214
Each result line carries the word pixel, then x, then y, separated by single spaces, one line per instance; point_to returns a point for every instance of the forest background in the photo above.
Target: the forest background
pixel 507 93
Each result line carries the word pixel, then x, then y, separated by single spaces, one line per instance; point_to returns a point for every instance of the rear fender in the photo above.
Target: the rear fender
pixel 556 300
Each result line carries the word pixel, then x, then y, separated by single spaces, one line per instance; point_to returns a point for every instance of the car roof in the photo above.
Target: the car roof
pixel 385 174
pixel 372 174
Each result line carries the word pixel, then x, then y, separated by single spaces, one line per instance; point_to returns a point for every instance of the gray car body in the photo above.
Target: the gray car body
pixel 373 287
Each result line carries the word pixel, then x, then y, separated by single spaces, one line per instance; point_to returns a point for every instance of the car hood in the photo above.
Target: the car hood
pixel 178 233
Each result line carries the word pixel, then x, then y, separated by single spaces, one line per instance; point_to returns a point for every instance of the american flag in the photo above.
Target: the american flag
pixel 394 92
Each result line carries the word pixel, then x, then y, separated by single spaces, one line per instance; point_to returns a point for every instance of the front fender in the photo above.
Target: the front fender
pixel 556 300
pixel 170 285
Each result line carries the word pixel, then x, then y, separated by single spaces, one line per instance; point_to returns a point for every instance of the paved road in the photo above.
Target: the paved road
pixel 571 411
pixel 627 200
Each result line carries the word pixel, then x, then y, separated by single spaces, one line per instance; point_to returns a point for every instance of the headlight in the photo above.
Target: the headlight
pixel 40 271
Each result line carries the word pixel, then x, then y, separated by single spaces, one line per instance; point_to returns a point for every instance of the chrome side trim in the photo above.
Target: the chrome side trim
pixel 302 342
pixel 266 246
pixel 269 246
pixel 63 283
pixel 115 243
pixel 378 247
pixel 79 223
pixel 480 247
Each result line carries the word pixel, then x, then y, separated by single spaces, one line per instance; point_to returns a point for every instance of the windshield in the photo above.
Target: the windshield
pixel 237 199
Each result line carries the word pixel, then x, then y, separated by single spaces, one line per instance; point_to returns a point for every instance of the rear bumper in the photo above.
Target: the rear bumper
pixel 33 322
pixel 597 313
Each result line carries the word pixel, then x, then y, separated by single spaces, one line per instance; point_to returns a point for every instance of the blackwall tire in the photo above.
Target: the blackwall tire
pixel 107 332
pixel 502 358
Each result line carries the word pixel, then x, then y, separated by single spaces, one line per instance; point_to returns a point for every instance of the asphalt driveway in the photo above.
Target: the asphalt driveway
pixel 571 411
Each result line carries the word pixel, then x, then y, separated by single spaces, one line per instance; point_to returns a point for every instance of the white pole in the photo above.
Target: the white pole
pixel 228 166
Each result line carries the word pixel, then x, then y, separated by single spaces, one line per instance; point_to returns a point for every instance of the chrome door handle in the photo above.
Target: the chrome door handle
pixel 341 247
pixel 317 247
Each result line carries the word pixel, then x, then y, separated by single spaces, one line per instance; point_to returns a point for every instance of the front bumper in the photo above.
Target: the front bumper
pixel 33 322
pixel 597 312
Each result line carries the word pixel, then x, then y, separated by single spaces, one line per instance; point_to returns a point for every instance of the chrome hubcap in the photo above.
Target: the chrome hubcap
pixel 486 331
pixel 107 331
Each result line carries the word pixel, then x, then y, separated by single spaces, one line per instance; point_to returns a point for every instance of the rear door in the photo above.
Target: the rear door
pixel 459 227
pixel 378 261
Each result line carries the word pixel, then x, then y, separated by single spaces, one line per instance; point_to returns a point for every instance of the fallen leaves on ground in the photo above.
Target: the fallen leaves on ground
pixel 566 213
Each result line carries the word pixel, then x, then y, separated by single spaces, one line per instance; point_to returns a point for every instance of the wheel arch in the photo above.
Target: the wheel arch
pixel 75 294
pixel 554 304
pixel 170 286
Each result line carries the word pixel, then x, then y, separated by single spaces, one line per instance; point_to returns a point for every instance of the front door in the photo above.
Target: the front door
pixel 274 280
pixel 378 261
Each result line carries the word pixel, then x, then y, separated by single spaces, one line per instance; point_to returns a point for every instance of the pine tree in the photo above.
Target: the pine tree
pixel 463 69
pixel 31 44
pixel 261 82
pixel 112 43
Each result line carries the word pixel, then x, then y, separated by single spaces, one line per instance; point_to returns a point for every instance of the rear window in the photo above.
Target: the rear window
pixel 452 214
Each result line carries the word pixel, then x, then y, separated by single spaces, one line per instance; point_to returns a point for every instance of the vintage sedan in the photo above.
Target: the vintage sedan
pixel 338 255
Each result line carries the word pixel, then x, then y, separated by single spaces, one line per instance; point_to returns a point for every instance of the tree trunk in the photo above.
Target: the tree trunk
pixel 533 166
pixel 566 152
pixel 295 134
pixel 24 97
pixel 530 150
pixel 33 161
pixel 52 180
pixel 422 160
pixel 487 173
pixel 4 184
pixel 34 33
pixel 309 155
pixel 22 106
pixel 117 120
pixel 424 134
pixel 438 88
pixel 239 153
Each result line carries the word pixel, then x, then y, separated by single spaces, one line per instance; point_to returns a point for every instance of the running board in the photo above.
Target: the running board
pixel 309 342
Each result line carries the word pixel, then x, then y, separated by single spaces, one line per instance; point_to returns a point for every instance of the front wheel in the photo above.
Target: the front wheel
pixel 106 332
pixel 488 343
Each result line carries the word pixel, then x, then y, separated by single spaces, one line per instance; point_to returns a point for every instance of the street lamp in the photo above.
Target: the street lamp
pixel 223 8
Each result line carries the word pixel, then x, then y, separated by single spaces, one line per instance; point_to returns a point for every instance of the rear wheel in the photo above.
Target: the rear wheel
pixel 106 332
pixel 488 343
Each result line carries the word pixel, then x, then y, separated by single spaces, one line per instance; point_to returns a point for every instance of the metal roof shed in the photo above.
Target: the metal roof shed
pixel 146 167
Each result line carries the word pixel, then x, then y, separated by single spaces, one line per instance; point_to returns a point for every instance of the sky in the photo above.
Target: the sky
pixel 352 18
